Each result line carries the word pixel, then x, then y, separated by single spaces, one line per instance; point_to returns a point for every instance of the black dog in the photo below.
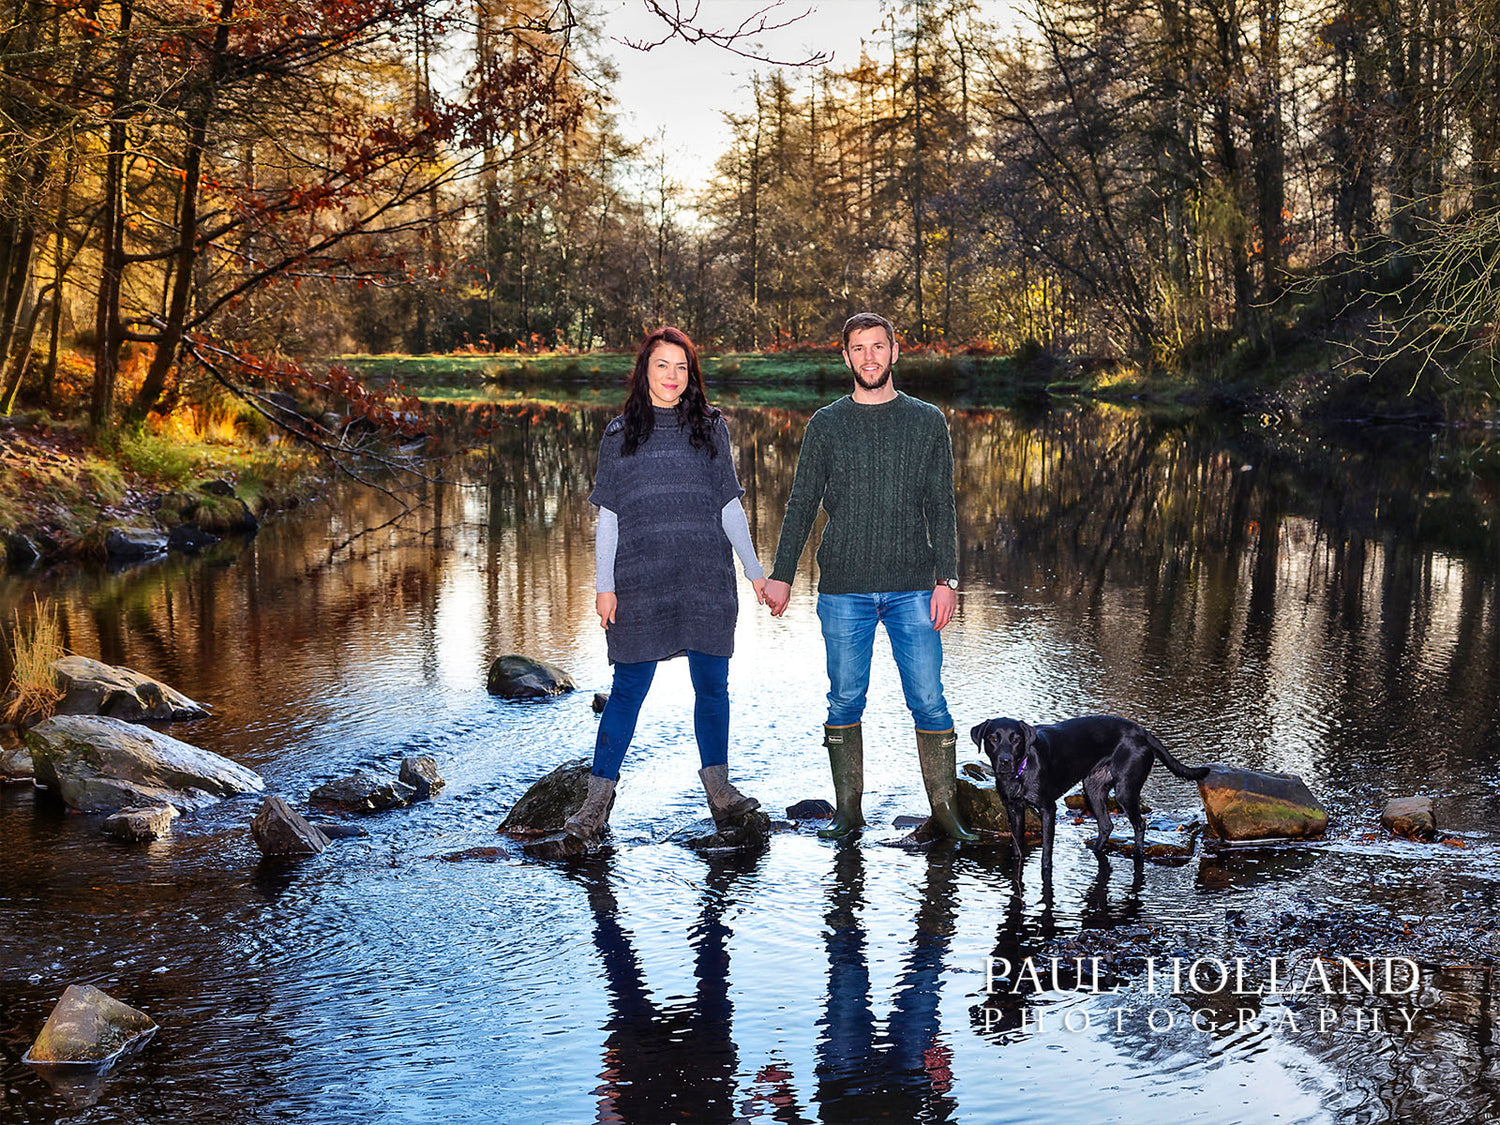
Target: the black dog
pixel 1037 765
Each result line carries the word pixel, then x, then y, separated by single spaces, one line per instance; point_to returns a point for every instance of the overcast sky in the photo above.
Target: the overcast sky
pixel 683 90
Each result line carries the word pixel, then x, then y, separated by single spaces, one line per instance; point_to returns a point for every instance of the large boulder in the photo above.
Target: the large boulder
pixel 90 1027
pixel 421 773
pixel 1412 817
pixel 521 677
pixel 139 826
pixel 1255 805
pixel 93 688
pixel 99 764
pixel 550 801
pixel 362 792
pixel 279 830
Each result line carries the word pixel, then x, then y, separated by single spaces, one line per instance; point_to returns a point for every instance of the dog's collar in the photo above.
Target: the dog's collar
pixel 1022 767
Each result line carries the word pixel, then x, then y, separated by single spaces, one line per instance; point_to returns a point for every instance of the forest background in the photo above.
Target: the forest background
pixel 197 196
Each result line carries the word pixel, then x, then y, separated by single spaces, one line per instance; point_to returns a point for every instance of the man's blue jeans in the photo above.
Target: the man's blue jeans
pixel 849 622
pixel 710 676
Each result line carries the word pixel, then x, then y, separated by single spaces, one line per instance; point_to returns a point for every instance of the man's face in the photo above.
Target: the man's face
pixel 869 355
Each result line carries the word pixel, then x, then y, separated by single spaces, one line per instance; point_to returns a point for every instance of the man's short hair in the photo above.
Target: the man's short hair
pixel 860 321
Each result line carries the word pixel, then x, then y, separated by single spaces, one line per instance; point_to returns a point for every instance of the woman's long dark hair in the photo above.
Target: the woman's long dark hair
pixel 692 408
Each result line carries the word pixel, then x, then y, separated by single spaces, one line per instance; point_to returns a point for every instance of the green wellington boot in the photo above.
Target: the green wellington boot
pixel 846 758
pixel 938 753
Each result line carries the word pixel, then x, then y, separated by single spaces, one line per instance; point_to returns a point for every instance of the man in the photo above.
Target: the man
pixel 881 463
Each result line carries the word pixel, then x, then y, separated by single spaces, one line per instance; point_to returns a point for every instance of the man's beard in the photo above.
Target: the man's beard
pixel 885 377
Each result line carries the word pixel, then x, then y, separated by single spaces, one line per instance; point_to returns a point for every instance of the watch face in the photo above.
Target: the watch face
pixel 952 583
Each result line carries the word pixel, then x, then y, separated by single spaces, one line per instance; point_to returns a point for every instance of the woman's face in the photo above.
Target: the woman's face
pixel 667 374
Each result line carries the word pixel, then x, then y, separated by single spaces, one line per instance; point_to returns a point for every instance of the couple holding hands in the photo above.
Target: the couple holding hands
pixel 880 463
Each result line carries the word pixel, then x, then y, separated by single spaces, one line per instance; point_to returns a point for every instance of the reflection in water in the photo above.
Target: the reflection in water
pixel 1246 594
pixel 904 1074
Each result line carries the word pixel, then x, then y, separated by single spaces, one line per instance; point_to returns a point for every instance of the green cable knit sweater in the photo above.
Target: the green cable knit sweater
pixel 884 472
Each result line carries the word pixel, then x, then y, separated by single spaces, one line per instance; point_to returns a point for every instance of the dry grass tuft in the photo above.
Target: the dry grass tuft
pixel 34 649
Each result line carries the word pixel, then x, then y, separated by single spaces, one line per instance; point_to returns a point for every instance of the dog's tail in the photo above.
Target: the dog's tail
pixel 1187 773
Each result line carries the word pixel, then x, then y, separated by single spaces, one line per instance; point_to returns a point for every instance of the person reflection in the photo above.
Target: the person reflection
pixel 673 1061
pixel 905 1073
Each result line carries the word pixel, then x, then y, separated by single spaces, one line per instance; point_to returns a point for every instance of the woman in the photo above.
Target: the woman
pixel 669 514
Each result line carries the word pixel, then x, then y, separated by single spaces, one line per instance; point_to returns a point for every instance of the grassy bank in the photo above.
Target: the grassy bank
pixel 62 490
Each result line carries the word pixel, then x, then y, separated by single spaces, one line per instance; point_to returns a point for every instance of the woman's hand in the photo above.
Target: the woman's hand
pixel 759 586
pixel 604 606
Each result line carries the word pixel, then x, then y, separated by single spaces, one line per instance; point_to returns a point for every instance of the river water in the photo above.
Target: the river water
pixel 1320 605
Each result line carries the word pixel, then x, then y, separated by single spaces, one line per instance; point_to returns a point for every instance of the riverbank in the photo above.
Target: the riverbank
pixel 62 491
pixel 1295 379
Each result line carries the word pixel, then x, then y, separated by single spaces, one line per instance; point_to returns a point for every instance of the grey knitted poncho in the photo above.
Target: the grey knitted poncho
pixel 674 569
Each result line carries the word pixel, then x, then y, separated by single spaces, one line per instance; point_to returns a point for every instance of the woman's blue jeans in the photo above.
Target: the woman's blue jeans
pixel 710 675
pixel 849 622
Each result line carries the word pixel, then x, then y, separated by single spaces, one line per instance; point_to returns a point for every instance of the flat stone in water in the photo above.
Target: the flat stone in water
pixel 362 792
pixel 741 833
pixel 1258 805
pixel 136 826
pixel 812 809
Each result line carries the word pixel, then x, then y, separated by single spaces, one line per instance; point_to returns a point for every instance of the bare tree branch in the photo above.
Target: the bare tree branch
pixel 682 22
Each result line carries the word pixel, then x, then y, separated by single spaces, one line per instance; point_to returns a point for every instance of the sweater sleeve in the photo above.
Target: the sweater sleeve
pixel 606 541
pixel 737 528
pixel 938 504
pixel 808 486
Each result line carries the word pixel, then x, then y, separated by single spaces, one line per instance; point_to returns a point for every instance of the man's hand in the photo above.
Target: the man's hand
pixel 944 602
pixel 759 586
pixel 777 595
pixel 604 606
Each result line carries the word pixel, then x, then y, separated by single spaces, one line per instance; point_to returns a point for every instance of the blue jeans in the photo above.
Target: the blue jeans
pixel 849 622
pixel 710 675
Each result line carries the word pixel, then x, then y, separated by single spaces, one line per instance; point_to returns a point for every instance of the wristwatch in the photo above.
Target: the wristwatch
pixel 951 583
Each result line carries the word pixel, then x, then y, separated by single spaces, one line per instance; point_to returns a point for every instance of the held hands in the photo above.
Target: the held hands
pixel 604 606
pixel 759 586
pixel 944 602
pixel 776 595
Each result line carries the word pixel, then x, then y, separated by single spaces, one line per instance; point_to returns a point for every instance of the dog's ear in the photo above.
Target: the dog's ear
pixel 1028 735
pixel 978 732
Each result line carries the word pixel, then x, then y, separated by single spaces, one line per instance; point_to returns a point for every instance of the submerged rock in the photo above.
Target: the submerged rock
pixel 90 687
pixel 813 809
pixel 190 539
pixel 1076 803
pixel 557 845
pixel 1255 805
pixel 16 765
pixel 521 677
pixel 89 1027
pixel 280 830
pixel 363 792
pixel 741 833
pixel 1412 817
pixel 99 764
pixel 133 544
pixel 20 552
pixel 544 807
pixel 138 826
pixel 421 773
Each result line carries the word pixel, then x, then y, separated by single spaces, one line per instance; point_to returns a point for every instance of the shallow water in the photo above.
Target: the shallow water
pixel 1250 596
